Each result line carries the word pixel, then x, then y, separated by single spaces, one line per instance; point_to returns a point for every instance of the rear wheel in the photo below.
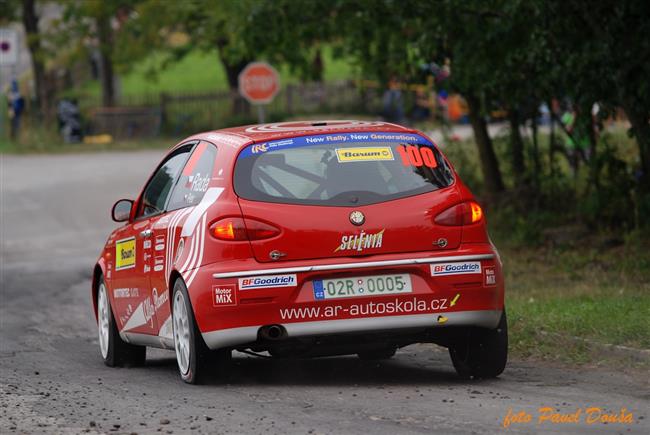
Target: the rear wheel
pixel 192 355
pixel 114 350
pixel 483 353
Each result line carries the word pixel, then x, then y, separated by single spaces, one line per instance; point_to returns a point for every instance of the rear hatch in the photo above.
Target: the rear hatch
pixel 346 195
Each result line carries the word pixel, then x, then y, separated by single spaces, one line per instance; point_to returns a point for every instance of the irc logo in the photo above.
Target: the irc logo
pixel 259 148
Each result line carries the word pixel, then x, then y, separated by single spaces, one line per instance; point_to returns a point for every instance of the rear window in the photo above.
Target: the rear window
pixel 340 169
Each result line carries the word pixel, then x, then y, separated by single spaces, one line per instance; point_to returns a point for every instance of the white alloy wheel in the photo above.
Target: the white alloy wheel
pixel 181 324
pixel 103 316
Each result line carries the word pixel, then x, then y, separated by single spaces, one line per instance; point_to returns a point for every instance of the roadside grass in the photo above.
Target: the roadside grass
pixel 554 296
pixel 201 71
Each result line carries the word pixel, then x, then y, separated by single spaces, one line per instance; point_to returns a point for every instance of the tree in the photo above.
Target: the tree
pixel 30 21
pixel 98 21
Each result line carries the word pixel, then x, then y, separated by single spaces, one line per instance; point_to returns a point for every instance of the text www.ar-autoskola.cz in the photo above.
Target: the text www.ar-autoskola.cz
pixel 395 306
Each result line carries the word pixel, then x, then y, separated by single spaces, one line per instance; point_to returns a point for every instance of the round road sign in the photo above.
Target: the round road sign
pixel 259 82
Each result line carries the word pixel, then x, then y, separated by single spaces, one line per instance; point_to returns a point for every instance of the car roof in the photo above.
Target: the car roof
pixel 240 136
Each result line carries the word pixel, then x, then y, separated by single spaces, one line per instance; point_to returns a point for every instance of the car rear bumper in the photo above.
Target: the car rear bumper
pixel 436 301
pixel 249 334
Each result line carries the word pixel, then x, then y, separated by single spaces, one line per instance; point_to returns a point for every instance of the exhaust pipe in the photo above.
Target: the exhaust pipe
pixel 272 332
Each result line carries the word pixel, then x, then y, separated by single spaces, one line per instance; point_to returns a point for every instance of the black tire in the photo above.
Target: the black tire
pixel 378 354
pixel 119 353
pixel 482 353
pixel 201 358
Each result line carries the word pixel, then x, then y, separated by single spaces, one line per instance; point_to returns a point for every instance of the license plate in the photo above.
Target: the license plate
pixel 357 286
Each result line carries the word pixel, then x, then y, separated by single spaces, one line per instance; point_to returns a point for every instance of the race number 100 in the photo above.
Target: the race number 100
pixel 414 156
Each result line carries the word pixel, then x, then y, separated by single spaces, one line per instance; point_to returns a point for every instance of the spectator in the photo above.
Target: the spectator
pixel 393 104
pixel 423 105
pixel 16 105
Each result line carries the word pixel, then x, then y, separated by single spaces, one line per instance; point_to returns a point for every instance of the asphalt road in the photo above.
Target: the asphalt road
pixel 55 218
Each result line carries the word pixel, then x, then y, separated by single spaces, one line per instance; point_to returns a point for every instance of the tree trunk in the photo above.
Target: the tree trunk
pixel 105 34
pixel 537 167
pixel 239 105
pixel 316 71
pixel 489 163
pixel 30 21
pixel 638 118
pixel 551 145
pixel 516 147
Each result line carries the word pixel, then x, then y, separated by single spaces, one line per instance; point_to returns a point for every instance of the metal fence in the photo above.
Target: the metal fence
pixel 176 114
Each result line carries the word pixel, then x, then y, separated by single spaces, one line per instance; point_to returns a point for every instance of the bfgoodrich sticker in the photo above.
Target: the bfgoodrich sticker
pixel 456 268
pixel 268 281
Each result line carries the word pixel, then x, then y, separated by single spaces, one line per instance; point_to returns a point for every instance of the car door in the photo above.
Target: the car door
pixel 139 254
pixel 169 243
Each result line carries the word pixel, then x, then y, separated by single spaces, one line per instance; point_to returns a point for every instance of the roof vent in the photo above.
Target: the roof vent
pixel 318 124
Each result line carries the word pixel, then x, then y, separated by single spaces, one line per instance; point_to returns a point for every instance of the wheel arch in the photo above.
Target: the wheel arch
pixel 173 277
pixel 98 272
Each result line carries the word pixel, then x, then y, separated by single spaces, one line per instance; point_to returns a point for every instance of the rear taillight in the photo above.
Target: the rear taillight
pixel 465 213
pixel 235 229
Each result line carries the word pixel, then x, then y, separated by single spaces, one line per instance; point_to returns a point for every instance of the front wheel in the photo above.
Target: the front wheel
pixel 115 352
pixel 482 353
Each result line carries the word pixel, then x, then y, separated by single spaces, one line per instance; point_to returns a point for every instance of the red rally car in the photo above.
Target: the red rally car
pixel 301 239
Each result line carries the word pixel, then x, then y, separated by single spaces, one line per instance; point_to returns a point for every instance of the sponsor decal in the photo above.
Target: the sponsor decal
pixel 268 281
pixel 131 292
pixel 146 268
pixel 197 183
pixel 359 242
pixel 364 154
pixel 146 244
pixel 325 139
pixel 158 301
pixel 125 253
pixel 365 309
pixel 490 277
pixel 148 311
pixel 223 295
pixel 455 268
pixel 158 264
pixel 259 148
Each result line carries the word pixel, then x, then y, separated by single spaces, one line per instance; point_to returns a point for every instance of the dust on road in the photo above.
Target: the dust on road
pixel 55 219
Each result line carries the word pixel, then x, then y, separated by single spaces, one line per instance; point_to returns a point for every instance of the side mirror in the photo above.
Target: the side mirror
pixel 122 210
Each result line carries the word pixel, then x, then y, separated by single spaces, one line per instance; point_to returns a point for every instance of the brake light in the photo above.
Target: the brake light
pixel 465 213
pixel 237 230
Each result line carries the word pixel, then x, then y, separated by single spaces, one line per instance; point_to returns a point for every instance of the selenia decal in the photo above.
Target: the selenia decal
pixel 359 242
pixel 125 253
